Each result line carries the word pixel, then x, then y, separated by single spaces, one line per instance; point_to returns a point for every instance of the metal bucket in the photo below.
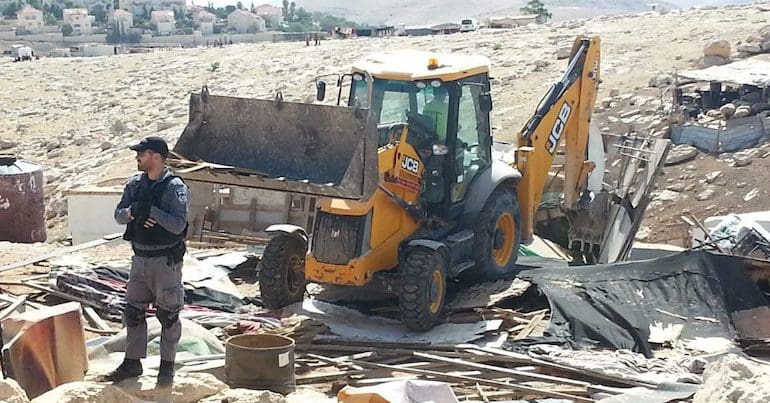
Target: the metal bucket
pixel 22 202
pixel 260 361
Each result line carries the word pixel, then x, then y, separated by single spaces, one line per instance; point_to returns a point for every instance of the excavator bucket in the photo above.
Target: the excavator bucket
pixel 302 148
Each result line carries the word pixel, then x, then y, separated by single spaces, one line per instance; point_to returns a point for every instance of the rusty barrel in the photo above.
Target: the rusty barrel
pixel 260 361
pixel 22 203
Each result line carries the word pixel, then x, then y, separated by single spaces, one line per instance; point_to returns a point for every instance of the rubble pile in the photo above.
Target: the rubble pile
pixel 756 43
pixel 734 379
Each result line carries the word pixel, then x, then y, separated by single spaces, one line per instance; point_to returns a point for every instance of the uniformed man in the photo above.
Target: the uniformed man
pixel 154 209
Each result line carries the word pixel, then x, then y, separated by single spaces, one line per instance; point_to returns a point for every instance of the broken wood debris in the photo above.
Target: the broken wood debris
pixel 472 371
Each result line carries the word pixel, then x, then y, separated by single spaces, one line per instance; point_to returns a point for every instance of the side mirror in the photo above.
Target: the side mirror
pixel 485 102
pixel 320 90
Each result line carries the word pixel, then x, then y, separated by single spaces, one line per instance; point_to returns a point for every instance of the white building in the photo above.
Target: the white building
pixel 164 21
pixel 242 21
pixel 122 21
pixel 144 7
pixel 273 16
pixel 30 19
pixel 205 21
pixel 78 19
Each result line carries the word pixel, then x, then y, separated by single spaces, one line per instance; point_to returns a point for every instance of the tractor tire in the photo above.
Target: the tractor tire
pixel 423 289
pixel 282 272
pixel 497 236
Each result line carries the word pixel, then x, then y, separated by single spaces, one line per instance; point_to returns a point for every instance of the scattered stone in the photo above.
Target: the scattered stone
pixel 720 48
pixel 7 144
pixel 727 110
pixel 81 141
pixel 712 176
pixel 612 119
pixel 676 187
pixel 643 233
pixel 742 112
pixel 741 185
pixel 742 159
pixel 630 114
pixel 751 195
pixel 708 61
pixel 52 145
pixel 245 396
pixel 564 52
pixel 106 145
pixel 707 194
pixel 11 392
pixel 614 92
pixel 661 81
pixel 714 113
pixel 681 153
pixel 607 102
pixel 668 195
pixel 689 187
pixel 734 379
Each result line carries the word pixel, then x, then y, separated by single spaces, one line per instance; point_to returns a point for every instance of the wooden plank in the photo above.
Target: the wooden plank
pixel 514 372
pixel 530 327
pixel 470 379
pixel 95 319
pixel 11 309
pixel 62 252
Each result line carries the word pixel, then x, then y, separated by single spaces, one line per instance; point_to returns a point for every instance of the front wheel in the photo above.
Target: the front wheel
pixel 282 272
pixel 497 236
pixel 423 289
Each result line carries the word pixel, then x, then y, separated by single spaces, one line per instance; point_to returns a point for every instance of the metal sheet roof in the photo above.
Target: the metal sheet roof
pixel 752 72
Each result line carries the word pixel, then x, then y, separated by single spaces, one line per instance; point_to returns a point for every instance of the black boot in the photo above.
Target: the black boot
pixel 166 373
pixel 127 369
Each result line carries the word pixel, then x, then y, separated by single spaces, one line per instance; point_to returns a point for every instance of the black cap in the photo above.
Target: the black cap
pixel 153 143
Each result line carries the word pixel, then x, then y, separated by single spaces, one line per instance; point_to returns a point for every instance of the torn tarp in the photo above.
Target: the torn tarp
pixel 613 305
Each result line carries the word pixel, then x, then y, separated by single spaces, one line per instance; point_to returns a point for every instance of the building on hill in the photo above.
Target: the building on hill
pixel 30 19
pixel 273 16
pixel 123 21
pixel 78 19
pixel 164 21
pixel 144 8
pixel 205 21
pixel 242 21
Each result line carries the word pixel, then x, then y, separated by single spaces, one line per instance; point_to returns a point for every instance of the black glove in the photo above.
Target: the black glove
pixel 141 209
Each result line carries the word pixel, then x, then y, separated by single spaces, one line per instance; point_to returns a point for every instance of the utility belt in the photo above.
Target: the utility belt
pixel 175 254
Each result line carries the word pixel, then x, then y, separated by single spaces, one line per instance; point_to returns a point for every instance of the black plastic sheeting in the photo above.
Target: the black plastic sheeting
pixel 613 305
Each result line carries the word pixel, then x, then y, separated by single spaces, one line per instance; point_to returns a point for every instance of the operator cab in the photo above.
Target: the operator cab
pixel 446 103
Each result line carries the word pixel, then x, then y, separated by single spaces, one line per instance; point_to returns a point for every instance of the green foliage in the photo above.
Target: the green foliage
pixel 50 19
pixel 536 7
pixel 239 5
pixel 214 66
pixel 229 9
pixel 497 47
pixel 99 14
pixel 54 10
pixel 11 9
pixel 66 30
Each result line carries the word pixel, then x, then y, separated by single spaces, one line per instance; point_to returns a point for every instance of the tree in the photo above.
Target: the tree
pixel 285 8
pixel 66 30
pixel 50 19
pixel 292 11
pixel 11 9
pixel 98 12
pixel 239 5
pixel 229 9
pixel 536 7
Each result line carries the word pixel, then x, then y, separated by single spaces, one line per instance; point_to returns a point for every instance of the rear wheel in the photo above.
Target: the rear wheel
pixel 497 236
pixel 282 272
pixel 423 289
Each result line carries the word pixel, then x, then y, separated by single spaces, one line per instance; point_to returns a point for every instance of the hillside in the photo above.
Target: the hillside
pixel 75 116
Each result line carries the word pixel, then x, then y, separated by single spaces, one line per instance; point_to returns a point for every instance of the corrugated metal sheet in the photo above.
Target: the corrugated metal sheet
pixel 752 72
pixel 738 135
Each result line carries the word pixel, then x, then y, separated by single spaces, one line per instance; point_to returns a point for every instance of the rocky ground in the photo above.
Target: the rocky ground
pixel 76 116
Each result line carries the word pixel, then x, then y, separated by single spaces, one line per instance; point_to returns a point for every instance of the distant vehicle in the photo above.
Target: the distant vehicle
pixel 21 53
pixel 469 25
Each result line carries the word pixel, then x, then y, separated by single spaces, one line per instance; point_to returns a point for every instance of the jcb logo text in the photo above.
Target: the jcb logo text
pixel 558 127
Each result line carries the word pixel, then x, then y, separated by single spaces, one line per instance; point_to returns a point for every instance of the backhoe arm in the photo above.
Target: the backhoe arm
pixel 564 114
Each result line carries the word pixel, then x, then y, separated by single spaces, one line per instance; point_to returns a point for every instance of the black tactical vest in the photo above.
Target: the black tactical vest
pixel 156 235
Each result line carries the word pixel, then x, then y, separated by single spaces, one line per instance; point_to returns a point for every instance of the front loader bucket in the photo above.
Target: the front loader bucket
pixel 294 147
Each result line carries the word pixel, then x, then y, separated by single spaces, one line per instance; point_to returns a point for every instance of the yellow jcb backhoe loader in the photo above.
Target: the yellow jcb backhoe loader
pixel 411 195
